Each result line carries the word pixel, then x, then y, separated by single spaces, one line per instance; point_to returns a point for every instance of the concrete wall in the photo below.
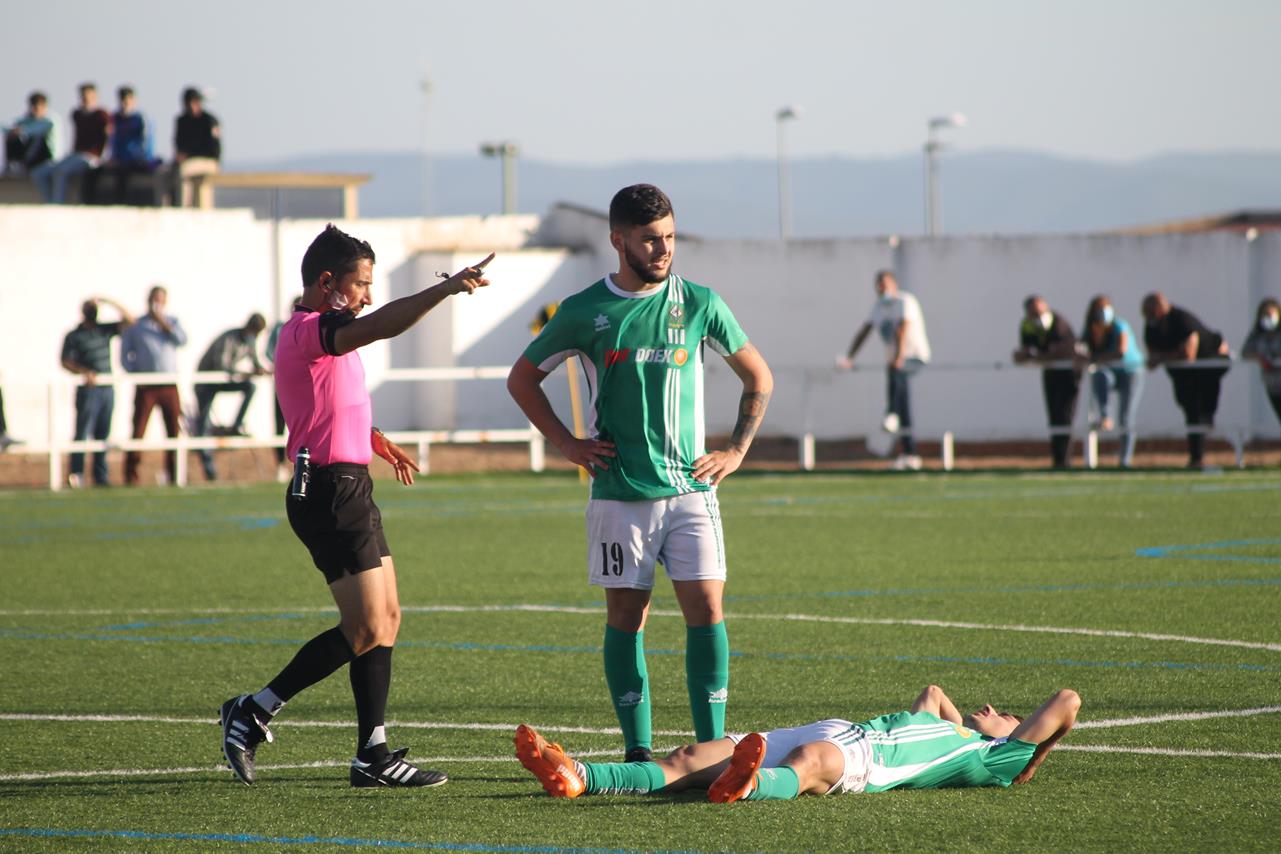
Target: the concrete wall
pixel 800 304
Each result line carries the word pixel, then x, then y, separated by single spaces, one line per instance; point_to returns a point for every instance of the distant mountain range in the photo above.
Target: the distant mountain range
pixel 1007 192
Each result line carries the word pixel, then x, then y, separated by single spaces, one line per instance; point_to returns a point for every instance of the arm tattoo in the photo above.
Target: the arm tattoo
pixel 751 409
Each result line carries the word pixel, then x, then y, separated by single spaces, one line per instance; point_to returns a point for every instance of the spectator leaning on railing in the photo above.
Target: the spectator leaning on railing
pixel 1264 346
pixel 151 346
pixel 1046 336
pixel 87 351
pixel 235 352
pixel 1118 364
pixel 1174 336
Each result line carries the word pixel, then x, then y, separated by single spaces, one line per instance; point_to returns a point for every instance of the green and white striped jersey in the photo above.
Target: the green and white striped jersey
pixel 643 358
pixel 921 751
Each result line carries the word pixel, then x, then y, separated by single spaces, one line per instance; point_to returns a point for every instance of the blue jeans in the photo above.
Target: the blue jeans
pixel 94 406
pixel 52 178
pixel 1129 388
pixel 898 400
pixel 205 394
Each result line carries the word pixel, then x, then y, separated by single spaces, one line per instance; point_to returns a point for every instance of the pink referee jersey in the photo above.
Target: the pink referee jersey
pixel 323 396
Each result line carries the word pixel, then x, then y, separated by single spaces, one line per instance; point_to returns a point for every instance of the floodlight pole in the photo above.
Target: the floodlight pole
pixel 933 209
pixel 506 150
pixel 784 178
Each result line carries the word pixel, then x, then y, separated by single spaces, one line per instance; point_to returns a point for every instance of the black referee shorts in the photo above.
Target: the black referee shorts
pixel 338 521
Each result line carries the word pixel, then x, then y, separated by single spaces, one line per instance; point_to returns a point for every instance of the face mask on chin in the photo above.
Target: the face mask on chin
pixel 1269 322
pixel 1047 319
pixel 1108 315
pixel 336 300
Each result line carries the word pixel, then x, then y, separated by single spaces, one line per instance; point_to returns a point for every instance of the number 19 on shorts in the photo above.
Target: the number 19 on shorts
pixel 611 558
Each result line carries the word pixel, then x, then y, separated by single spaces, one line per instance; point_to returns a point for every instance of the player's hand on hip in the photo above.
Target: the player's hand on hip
pixel 844 363
pixel 468 279
pixel 715 466
pixel 591 454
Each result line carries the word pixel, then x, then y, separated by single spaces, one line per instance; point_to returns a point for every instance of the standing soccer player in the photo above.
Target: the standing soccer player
pixel 321 385
pixel 639 334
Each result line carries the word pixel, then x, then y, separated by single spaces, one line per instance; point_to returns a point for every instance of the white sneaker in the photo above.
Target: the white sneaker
pixel 890 422
pixel 75 481
pixel 906 462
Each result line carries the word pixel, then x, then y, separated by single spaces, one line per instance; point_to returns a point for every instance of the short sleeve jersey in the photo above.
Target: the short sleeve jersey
pixel 642 354
pixel 918 750
pixel 887 314
pixel 1109 347
pixel 1174 329
pixel 322 395
pixel 90 347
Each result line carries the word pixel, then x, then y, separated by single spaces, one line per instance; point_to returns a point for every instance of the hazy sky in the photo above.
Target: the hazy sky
pixel 595 81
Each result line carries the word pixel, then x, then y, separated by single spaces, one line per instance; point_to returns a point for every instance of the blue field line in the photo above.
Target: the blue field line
pixel 1190 551
pixel 343 841
pixel 469 646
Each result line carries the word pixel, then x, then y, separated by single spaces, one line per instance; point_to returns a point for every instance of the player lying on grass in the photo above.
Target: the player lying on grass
pixel 931 746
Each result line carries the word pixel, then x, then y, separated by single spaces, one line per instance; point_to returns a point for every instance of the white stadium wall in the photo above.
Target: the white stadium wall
pixel 800 304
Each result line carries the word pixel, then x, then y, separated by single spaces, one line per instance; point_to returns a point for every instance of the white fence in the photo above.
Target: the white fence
pixel 815 387
pixel 61 391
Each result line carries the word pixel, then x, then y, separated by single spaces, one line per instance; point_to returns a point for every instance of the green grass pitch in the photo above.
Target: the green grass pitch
pixel 127 617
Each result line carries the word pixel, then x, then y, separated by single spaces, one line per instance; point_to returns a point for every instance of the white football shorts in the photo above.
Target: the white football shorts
pixel 625 539
pixel 849 739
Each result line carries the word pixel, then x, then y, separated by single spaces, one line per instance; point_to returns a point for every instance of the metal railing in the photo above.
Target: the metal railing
pixel 61 390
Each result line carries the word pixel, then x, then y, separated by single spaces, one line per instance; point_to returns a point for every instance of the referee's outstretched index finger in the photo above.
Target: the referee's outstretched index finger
pixel 482 264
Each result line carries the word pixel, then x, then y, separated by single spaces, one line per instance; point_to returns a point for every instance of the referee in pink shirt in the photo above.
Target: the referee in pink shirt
pixel 320 382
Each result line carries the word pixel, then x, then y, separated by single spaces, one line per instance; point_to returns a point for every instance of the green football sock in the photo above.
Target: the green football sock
pixel 775 784
pixel 628 682
pixel 707 677
pixel 623 778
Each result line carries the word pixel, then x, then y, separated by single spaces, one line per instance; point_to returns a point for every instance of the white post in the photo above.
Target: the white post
pixel 949 451
pixel 1238 445
pixel 55 453
pixel 537 460
pixel 807 452
pixel 424 457
pixel 1091 449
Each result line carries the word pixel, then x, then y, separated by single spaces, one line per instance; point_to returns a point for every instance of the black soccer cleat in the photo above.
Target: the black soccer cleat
pixel 394 771
pixel 242 732
pixel 639 754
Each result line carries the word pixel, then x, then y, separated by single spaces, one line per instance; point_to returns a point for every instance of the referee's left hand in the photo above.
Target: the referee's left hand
pixel 400 461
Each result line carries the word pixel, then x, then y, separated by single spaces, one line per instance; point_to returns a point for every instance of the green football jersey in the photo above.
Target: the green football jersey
pixel 642 355
pixel 921 751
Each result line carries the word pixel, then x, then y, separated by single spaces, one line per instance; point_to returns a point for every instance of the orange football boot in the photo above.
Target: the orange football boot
pixel 548 762
pixel 739 778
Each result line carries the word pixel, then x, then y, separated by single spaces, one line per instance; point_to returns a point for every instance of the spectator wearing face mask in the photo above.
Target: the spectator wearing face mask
pixel 1263 344
pixel 1177 339
pixel 1118 366
pixel 1047 338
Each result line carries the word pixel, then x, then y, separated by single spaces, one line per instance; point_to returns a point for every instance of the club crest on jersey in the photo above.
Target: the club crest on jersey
pixel 662 355
pixel 602 323
pixel 962 731
pixel 676 317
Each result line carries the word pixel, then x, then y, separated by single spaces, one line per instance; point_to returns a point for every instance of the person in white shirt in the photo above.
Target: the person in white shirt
pixel 896 316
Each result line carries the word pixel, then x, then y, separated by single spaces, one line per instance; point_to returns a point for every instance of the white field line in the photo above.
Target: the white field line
pixel 1179 716
pixel 1164 751
pixel 214 769
pixel 804 618
pixel 585 754
pixel 480 727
